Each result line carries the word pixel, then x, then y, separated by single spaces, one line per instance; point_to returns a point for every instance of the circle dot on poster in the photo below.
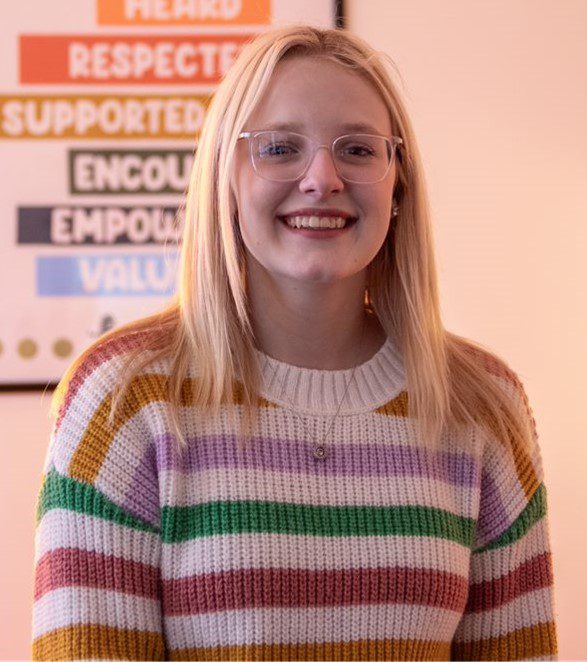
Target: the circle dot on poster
pixel 27 348
pixel 62 347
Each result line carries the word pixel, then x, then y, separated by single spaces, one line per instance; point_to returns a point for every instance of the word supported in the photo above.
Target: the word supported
pixel 96 116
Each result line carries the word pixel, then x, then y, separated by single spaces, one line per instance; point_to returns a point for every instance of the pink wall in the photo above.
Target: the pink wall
pixel 497 94
pixel 25 430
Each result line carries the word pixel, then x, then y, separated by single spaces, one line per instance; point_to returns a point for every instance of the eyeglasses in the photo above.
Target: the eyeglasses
pixel 285 156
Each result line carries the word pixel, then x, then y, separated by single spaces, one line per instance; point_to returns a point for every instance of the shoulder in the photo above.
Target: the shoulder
pixel 487 369
pixel 115 455
pixel 512 476
pixel 90 381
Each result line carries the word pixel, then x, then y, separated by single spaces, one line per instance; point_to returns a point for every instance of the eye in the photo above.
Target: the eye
pixel 277 149
pixel 356 150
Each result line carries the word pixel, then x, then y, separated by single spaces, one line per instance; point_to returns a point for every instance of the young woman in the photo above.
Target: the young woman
pixel 296 460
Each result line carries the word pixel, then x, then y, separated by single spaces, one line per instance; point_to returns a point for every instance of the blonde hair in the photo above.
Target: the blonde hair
pixel 451 381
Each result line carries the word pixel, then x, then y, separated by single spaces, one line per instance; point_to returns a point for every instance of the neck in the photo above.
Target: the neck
pixel 314 325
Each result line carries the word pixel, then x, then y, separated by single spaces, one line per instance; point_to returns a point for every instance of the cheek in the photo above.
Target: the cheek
pixel 259 202
pixel 377 208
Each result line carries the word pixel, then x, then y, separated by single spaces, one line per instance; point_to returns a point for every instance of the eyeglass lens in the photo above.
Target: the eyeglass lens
pixel 284 156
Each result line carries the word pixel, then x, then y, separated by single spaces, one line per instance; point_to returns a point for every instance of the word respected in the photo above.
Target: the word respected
pixel 167 59
pixel 162 60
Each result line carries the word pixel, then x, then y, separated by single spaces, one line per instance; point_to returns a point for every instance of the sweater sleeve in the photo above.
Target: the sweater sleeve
pixel 97 540
pixel 510 608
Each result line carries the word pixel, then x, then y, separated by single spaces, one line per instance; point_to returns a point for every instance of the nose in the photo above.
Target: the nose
pixel 321 177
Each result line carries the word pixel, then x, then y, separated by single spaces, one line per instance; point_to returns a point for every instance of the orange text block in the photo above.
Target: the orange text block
pixel 180 12
pixel 177 116
pixel 127 59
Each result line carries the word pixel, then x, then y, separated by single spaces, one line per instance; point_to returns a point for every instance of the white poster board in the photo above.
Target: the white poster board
pixel 101 102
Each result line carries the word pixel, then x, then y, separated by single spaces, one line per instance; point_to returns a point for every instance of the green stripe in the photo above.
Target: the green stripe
pixel 532 513
pixel 219 518
pixel 60 491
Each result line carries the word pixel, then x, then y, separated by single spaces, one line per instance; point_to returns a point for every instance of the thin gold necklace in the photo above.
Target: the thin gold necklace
pixel 319 450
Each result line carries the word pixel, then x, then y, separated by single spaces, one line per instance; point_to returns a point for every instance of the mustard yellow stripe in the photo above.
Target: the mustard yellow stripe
pixel 97 439
pixel 525 470
pixel 535 641
pixel 396 407
pixel 98 642
pixel 142 391
pixel 387 649
pixel 527 476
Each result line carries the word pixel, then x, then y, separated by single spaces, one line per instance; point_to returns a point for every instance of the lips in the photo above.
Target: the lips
pixel 317 222
pixel 316 211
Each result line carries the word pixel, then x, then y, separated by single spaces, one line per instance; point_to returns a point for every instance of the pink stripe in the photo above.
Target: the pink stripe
pixel 275 587
pixel 76 567
pixel 94 360
pixel 532 575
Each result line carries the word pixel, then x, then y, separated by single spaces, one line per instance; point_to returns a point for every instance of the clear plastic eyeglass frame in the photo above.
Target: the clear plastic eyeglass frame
pixel 392 143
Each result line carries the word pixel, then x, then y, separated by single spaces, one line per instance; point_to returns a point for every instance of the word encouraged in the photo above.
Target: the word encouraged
pixel 98 116
pixel 129 171
pixel 66 226
pixel 183 12
pixel 97 59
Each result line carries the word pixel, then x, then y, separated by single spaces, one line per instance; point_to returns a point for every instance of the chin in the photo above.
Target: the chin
pixel 319 275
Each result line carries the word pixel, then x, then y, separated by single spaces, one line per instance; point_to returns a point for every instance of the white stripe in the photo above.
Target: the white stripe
pixel 244 551
pixel 284 425
pixel 124 456
pixel 90 394
pixel 64 528
pixel 293 487
pixel 73 605
pixel 315 625
pixel 525 611
pixel 497 562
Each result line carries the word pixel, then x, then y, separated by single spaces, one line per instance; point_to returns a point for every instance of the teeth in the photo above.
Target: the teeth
pixel 316 222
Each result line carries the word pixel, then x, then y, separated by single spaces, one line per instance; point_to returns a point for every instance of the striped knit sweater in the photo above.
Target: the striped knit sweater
pixel 381 550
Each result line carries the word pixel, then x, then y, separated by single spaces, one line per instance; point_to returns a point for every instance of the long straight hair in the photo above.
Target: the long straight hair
pixel 206 331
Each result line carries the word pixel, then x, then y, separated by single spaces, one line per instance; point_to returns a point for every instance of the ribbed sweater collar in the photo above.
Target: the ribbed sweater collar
pixel 314 391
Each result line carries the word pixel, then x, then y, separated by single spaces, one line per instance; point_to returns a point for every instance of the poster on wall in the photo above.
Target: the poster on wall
pixel 101 104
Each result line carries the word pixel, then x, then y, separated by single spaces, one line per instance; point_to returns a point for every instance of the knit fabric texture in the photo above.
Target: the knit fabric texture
pixel 384 549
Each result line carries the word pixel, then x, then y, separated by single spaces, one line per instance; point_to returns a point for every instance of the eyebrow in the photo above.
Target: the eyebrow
pixel 353 127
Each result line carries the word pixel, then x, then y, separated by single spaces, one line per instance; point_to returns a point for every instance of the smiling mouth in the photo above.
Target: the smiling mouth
pixel 317 222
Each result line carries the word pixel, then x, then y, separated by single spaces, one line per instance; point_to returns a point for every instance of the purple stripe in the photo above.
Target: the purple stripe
pixel 144 482
pixel 212 452
pixel 494 518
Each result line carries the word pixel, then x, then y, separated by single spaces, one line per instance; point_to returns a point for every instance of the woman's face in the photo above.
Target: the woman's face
pixel 322 100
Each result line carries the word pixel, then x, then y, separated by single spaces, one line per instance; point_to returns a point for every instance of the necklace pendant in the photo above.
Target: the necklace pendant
pixel 319 452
